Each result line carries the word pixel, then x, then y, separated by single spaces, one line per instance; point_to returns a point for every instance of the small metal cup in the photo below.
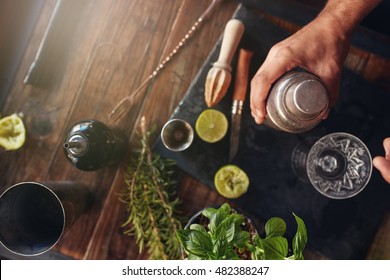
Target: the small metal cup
pixel 34 216
pixel 177 135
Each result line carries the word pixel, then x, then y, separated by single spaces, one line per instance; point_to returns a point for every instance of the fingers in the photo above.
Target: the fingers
pixel 331 78
pixel 383 163
pixel 386 146
pixel 261 84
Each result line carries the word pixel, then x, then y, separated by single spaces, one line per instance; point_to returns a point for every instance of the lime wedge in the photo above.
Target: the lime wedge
pixel 211 125
pixel 12 132
pixel 231 181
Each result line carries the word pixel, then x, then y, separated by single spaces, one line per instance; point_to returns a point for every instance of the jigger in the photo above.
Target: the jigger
pixel 177 135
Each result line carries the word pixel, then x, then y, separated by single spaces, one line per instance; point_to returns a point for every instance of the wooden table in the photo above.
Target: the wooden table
pixel 111 47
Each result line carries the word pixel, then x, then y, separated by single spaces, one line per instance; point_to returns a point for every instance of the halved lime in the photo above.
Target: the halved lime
pixel 211 125
pixel 231 181
pixel 12 132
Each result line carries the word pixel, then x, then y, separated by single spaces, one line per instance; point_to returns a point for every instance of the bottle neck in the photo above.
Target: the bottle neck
pixel 77 145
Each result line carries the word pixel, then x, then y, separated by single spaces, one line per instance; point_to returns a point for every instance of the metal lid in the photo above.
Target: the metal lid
pixel 297 102
pixel 306 99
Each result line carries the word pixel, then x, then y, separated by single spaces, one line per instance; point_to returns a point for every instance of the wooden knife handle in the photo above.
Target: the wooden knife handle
pixel 242 74
pixel 231 38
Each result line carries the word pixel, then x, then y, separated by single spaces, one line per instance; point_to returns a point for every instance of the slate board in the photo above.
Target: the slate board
pixel 339 229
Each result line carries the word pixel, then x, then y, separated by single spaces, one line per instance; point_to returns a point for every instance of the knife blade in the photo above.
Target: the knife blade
pixel 239 93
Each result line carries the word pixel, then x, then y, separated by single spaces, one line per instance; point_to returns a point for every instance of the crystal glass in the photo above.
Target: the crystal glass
pixel 339 165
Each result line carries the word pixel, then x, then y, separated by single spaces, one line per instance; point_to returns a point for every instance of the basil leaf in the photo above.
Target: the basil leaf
pixel 300 239
pixel 257 253
pixel 231 255
pixel 231 229
pixel 241 239
pixel 275 227
pixel 208 212
pixel 237 219
pixel 198 227
pixel 193 257
pixel 215 220
pixel 195 242
pixel 275 248
pixel 225 209
pixel 220 247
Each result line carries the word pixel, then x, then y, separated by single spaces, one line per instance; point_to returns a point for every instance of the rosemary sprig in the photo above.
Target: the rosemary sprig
pixel 150 202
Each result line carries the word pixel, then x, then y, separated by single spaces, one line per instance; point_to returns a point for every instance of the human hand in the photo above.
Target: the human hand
pixel 320 48
pixel 383 163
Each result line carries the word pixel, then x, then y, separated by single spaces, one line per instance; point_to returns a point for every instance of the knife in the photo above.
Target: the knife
pixel 239 92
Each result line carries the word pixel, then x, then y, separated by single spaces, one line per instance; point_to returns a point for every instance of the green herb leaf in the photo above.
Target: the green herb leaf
pixel 231 229
pixel 208 212
pixel 300 239
pixel 193 257
pixel 257 249
pixel 275 248
pixel 275 227
pixel 241 239
pixel 231 255
pixel 225 209
pixel 238 219
pixel 217 219
pixel 195 242
pixel 198 227
pixel 150 200
pixel 220 246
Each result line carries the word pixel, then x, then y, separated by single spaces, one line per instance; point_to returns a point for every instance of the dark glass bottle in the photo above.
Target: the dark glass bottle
pixel 90 145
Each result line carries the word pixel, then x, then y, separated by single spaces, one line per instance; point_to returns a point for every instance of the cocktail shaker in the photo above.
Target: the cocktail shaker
pixel 297 102
pixel 91 145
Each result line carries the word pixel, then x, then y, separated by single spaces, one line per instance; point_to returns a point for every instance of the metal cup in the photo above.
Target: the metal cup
pixel 177 135
pixel 34 216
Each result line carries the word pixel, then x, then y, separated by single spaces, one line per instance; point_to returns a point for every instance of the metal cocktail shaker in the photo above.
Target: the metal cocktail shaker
pixel 297 102
pixel 90 145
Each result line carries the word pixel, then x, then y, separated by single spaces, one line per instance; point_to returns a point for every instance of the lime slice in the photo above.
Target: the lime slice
pixel 211 125
pixel 231 181
pixel 12 132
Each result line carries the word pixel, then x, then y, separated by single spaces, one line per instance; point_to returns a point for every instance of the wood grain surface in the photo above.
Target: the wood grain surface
pixel 112 47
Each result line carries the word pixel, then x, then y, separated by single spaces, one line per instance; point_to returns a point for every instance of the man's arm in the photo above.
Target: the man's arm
pixel 319 47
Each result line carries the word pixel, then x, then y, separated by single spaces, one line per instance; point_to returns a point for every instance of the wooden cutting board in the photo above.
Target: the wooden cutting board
pixel 339 229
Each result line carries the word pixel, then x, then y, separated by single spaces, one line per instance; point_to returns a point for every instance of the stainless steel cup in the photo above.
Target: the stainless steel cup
pixel 297 102
pixel 177 135
pixel 34 216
